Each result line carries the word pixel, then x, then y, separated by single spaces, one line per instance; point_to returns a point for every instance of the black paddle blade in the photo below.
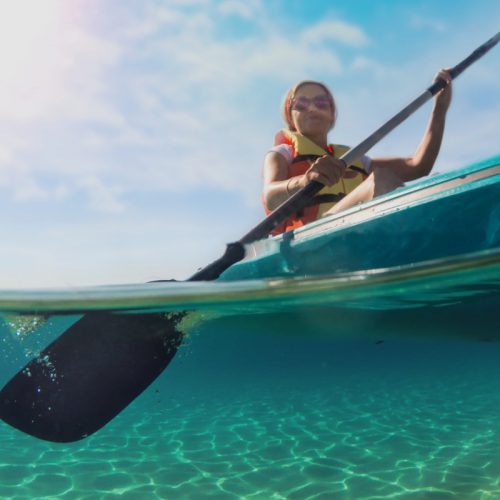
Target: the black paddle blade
pixel 89 374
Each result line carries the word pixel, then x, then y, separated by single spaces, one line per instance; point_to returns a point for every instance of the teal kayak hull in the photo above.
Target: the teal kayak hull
pixel 441 216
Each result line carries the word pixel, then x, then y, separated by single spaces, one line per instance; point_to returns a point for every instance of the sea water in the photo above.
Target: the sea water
pixel 276 404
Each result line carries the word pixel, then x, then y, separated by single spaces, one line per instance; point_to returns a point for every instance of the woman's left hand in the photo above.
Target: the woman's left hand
pixel 443 97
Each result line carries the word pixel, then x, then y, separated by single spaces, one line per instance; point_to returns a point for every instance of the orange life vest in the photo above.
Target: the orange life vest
pixel 305 152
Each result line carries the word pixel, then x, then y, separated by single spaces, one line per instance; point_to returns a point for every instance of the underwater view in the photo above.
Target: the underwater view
pixel 278 399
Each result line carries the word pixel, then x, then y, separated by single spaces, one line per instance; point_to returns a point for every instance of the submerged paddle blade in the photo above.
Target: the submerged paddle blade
pixel 89 374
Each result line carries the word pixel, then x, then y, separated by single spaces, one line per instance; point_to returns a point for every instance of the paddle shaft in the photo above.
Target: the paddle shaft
pixel 235 251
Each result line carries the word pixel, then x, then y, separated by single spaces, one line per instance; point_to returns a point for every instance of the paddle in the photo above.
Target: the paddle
pixel 102 362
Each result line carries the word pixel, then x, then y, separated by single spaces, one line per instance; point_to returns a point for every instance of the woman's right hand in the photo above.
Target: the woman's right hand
pixel 326 169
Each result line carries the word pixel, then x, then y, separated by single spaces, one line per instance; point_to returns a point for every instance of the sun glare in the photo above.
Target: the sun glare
pixel 30 49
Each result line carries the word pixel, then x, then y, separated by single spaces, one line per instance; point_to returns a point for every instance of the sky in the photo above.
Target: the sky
pixel 132 133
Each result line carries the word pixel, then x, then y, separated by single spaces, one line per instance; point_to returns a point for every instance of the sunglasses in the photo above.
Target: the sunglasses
pixel 302 103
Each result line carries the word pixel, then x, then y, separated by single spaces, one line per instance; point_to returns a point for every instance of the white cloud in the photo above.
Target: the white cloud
pixel 335 30
pixel 281 58
pixel 370 67
pixel 178 109
pixel 29 191
pixel 102 198
pixel 5 154
pixel 246 9
pixel 206 88
pixel 167 99
pixel 156 17
pixel 425 23
pixel 61 192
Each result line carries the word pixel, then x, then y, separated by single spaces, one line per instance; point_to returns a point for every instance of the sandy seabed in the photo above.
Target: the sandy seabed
pixel 357 440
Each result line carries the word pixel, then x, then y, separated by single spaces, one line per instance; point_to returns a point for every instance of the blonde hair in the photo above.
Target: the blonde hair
pixel 286 109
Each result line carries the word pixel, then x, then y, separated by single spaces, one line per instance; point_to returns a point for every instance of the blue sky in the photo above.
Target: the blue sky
pixel 132 133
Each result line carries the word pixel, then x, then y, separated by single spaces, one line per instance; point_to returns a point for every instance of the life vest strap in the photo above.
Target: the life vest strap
pixel 325 198
pixel 305 158
pixel 315 157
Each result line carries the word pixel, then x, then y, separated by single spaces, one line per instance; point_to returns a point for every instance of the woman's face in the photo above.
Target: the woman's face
pixel 312 112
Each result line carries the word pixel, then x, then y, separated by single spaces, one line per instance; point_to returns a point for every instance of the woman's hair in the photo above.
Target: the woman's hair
pixel 286 109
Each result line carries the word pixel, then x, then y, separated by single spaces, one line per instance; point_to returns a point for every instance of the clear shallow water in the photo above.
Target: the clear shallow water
pixel 279 405
pixel 411 419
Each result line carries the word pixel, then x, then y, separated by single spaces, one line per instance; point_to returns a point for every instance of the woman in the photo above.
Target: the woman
pixel 302 154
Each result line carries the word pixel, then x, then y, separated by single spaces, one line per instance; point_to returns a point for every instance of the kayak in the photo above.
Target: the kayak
pixel 437 217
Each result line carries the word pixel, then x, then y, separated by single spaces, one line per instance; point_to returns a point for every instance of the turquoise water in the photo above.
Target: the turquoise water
pixel 279 405
pixel 239 417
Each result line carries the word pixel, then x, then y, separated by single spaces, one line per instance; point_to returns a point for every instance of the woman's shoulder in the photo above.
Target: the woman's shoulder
pixel 284 150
